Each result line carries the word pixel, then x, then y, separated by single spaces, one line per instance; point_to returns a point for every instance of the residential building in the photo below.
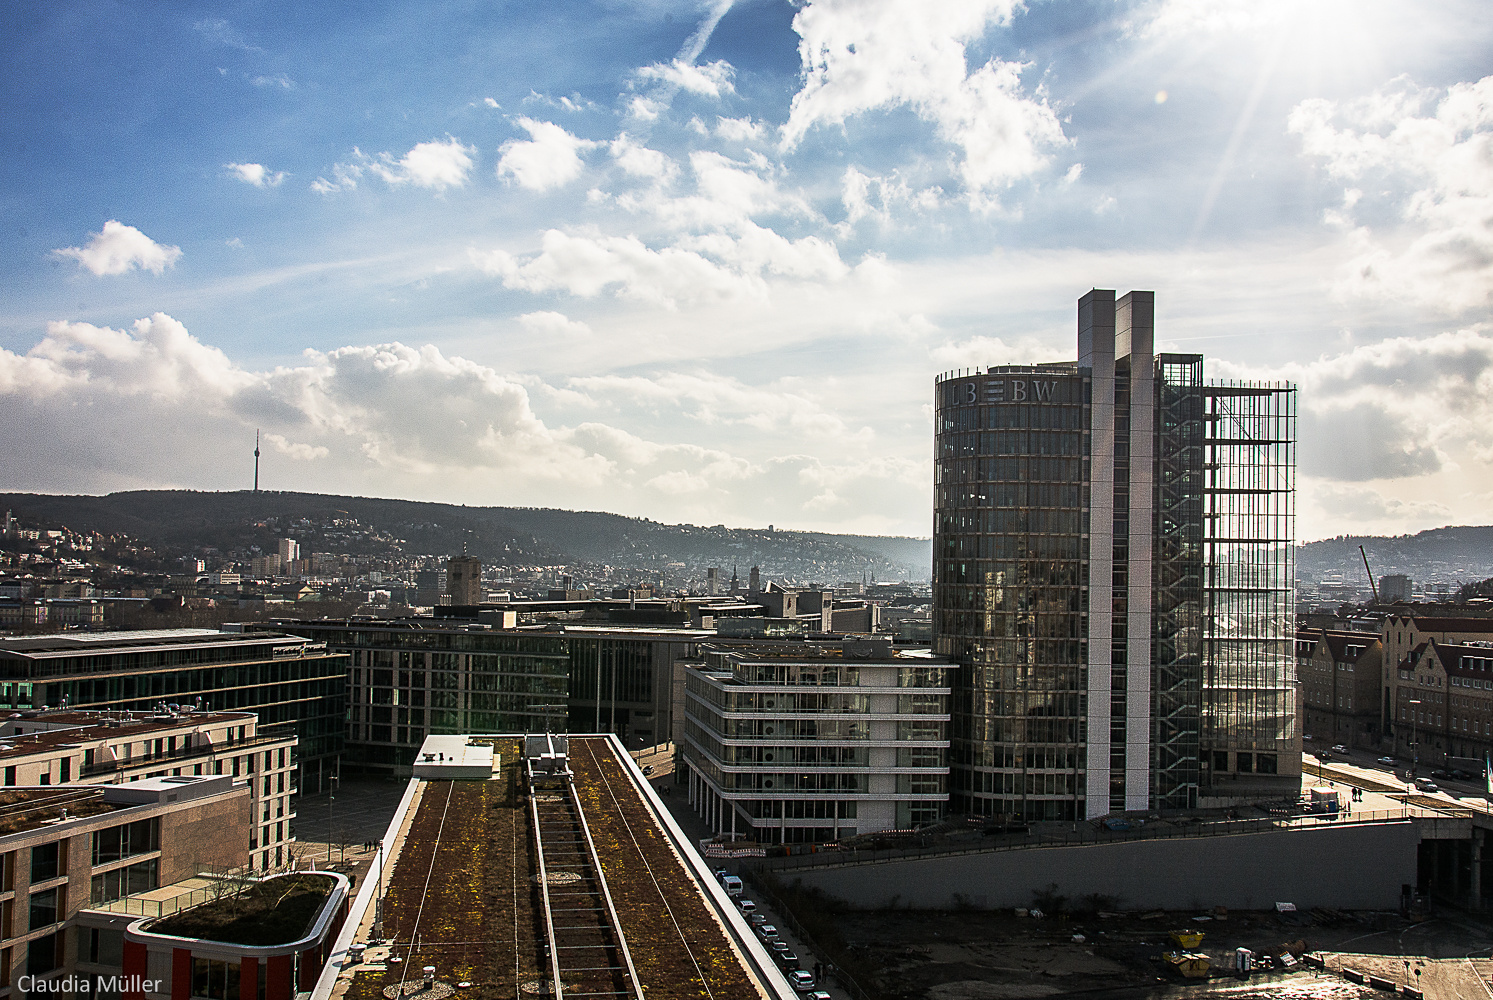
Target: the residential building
pixel 1403 635
pixel 67 854
pixel 1339 675
pixel 1444 702
pixel 1113 575
pixel 63 746
pixel 283 680
pixel 814 741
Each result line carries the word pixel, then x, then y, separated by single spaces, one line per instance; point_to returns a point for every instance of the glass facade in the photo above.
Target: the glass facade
pixel 286 681
pixel 1177 570
pixel 1113 574
pixel 407 681
pixel 1249 684
pixel 1009 582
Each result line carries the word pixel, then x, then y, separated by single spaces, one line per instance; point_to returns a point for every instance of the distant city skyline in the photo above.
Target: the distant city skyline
pixel 702 262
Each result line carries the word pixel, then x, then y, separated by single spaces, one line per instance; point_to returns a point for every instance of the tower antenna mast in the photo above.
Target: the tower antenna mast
pixel 256 460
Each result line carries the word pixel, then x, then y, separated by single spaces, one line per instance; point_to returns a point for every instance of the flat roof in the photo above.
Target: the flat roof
pixel 461 892
pixel 103 643
pixel 74 727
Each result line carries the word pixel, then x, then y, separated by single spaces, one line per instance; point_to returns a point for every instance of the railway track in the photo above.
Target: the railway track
pixel 587 951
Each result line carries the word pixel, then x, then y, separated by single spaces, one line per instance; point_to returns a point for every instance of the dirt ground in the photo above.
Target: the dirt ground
pixel 984 955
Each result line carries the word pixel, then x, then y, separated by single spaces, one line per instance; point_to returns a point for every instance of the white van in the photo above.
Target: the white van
pixel 732 884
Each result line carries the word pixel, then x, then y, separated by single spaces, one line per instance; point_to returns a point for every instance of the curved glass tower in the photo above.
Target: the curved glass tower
pixel 1080 509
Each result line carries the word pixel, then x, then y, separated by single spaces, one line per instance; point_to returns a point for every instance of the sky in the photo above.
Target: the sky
pixel 703 262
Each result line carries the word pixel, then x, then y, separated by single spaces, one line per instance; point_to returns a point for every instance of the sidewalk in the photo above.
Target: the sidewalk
pixel 676 799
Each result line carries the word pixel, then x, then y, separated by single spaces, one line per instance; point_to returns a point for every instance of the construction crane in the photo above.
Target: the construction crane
pixel 1372 588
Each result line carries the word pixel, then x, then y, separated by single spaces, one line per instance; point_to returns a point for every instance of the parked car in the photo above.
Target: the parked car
pixel 1427 785
pixel 647 769
pixel 819 995
pixel 747 906
pixel 756 919
pixel 801 981
pixel 1387 761
pixel 787 959
pixel 732 884
pixel 1340 749
pixel 766 931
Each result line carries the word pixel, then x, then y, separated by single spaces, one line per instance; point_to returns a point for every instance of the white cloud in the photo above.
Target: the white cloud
pixel 709 80
pixel 490 102
pixel 589 265
pixel 1431 153
pixel 740 129
pixel 883 54
pixel 548 159
pixel 551 326
pixel 435 165
pixel 118 248
pixel 394 419
pixel 277 80
pixel 865 196
pixel 255 174
pixel 640 161
pixel 1413 416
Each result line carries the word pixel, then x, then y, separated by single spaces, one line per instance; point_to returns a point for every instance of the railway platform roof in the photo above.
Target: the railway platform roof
pixel 496 886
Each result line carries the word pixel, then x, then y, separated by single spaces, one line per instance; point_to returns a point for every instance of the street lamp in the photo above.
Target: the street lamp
pixel 332 781
pixel 1414 737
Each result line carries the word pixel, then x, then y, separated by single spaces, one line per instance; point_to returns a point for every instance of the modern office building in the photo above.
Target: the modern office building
pixel 64 747
pixel 1113 575
pixel 68 854
pixel 284 680
pixel 813 741
pixel 417 677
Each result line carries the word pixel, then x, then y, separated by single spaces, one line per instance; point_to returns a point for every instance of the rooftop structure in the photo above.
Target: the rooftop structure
pixel 545 872
pixel 282 679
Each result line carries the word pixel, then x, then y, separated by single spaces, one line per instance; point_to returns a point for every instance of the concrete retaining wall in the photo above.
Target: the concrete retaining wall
pixel 1347 867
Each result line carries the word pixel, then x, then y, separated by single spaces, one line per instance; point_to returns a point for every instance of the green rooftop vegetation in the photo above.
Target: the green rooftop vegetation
pixel 274 911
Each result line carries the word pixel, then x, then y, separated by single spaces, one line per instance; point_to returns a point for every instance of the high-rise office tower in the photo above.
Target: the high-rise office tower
pixel 1113 571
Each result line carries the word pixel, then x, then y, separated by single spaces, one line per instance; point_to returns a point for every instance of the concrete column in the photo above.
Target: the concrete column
pixel 1096 353
pixel 1475 873
pixel 277 978
pixel 181 974
pixel 136 963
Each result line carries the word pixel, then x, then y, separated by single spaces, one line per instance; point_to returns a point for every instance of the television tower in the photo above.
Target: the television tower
pixel 256 461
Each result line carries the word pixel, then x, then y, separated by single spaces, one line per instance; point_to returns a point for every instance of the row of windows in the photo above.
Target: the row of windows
pixel 1011 442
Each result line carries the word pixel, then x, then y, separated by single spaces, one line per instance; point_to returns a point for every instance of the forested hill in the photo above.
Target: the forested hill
pixel 1450 554
pixel 187 520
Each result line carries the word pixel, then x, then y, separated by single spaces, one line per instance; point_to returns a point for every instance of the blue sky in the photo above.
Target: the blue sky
pixel 702 262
